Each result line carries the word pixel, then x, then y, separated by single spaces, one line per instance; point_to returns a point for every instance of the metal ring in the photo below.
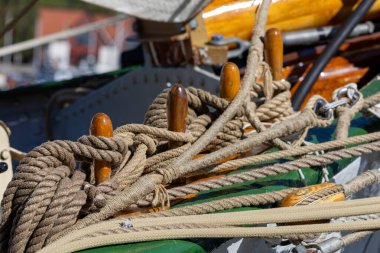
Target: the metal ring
pixel 351 92
pixel 335 104
pixel 320 111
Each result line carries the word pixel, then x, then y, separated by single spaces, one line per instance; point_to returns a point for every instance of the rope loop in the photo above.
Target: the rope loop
pixel 268 82
pixel 150 143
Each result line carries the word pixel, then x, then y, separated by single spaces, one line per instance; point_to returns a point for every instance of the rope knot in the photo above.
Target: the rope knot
pixel 146 140
pixel 105 143
pixel 97 195
pixel 168 173
pixel 161 197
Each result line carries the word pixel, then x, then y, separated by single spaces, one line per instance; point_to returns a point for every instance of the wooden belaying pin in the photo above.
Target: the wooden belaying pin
pixel 176 110
pixel 229 81
pixel 274 52
pixel 101 125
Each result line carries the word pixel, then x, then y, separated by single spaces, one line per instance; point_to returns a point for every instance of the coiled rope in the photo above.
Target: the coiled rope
pixel 50 197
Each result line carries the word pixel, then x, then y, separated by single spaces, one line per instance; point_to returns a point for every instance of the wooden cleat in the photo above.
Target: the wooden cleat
pixel 176 109
pixel 101 125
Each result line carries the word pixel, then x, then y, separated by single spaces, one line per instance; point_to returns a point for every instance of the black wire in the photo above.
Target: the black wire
pixel 9 26
pixel 329 52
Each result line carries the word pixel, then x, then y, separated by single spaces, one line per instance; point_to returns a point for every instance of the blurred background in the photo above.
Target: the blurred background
pixel 95 52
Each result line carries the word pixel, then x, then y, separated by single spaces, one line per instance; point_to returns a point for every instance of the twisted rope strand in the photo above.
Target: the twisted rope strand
pixel 296 151
pixel 307 162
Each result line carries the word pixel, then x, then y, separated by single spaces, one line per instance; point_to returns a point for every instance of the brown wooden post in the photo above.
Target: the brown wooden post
pixel 229 81
pixel 274 52
pixel 176 110
pixel 101 125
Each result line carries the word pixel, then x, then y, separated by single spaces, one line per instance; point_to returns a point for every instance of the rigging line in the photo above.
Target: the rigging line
pixel 9 26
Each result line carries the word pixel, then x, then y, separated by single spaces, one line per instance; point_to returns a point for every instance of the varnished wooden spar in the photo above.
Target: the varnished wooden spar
pixel 235 18
pixel 304 194
pixel 101 125
pixel 274 52
pixel 229 81
pixel 176 110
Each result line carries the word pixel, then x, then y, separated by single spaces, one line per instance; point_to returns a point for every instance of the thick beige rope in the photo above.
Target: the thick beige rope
pixel 366 179
pixel 264 216
pixel 46 172
pixel 180 233
pixel 111 150
pixel 306 162
pixel 225 204
pixel 147 183
pixel 296 151
pixel 38 210
pixel 307 118
pixel 345 115
pixel 272 215
pixel 256 123
pixel 258 214
pixel 371 101
pixel 363 180
pixel 353 237
pixel 144 184
pixel 255 56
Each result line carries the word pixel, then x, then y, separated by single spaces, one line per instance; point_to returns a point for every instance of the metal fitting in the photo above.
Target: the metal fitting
pixel 331 245
pixel 321 109
pixel 350 93
pixel 126 223
pixel 241 45
pixel 5 154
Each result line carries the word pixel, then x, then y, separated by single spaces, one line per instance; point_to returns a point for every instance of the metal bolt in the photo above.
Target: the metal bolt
pixel 5 154
pixel 3 167
pixel 217 37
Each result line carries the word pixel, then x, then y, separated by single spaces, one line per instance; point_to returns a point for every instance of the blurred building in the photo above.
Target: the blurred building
pixel 93 52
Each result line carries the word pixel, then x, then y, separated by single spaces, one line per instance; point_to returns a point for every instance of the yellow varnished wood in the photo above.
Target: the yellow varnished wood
pixel 274 52
pixel 337 73
pixel 229 81
pixel 101 125
pixel 235 18
pixel 177 106
pixel 303 194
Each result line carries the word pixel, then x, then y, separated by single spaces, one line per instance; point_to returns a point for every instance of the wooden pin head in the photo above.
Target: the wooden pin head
pixel 274 52
pixel 101 125
pixel 177 110
pixel 229 81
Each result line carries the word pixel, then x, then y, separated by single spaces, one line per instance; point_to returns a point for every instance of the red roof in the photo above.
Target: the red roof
pixel 51 20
